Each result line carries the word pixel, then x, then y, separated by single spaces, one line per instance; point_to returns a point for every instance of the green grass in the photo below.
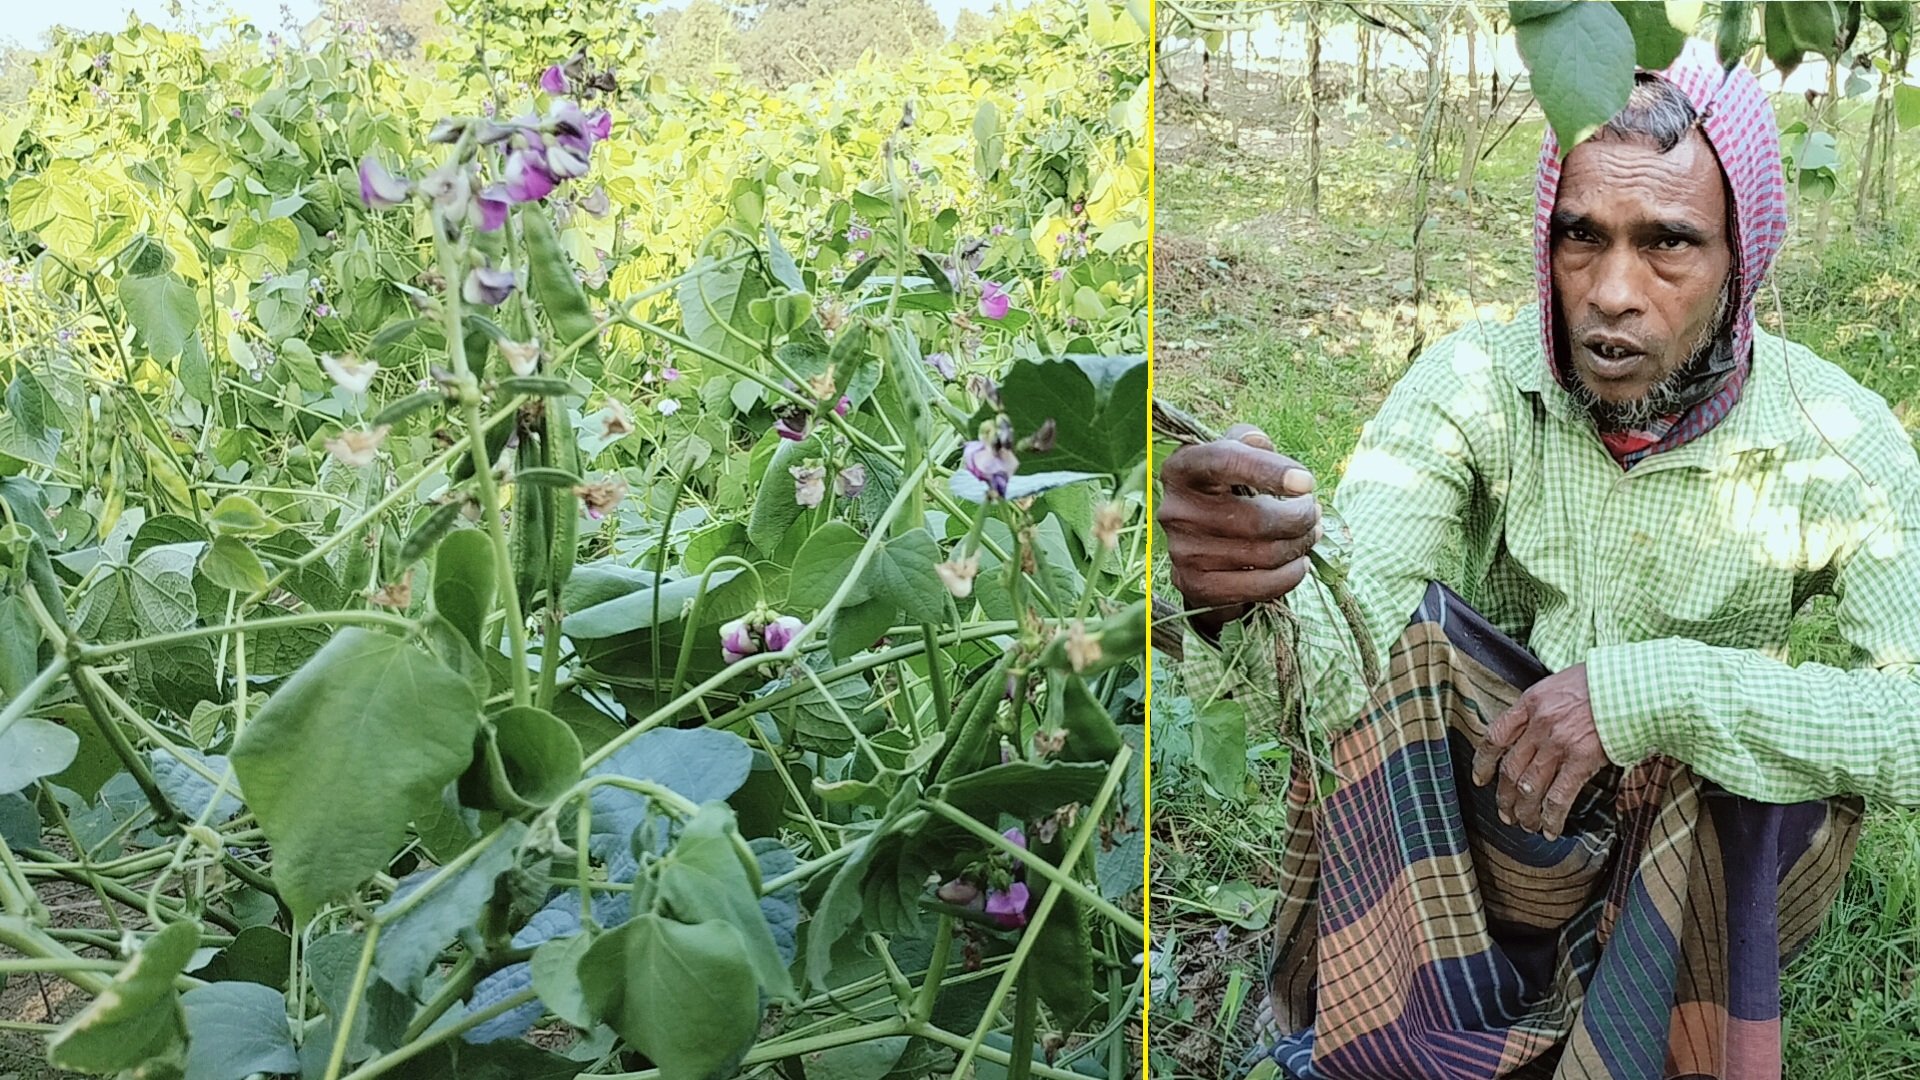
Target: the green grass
pixel 1266 315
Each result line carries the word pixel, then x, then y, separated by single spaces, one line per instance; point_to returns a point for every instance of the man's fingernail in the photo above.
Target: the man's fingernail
pixel 1297 482
pixel 1506 818
pixel 1551 835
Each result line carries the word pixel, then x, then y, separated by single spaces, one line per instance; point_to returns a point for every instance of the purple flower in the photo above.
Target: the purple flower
pixel 1016 837
pixel 379 188
pixel 486 287
pixel 942 363
pixel 1059 272
pixel 553 80
pixel 489 208
pixel 321 311
pixel 566 162
pixel 840 408
pixel 849 482
pixel 780 632
pixel 670 374
pixel 998 230
pixel 1009 908
pixel 527 178
pixel 599 124
pixel 234 112
pixel 737 641
pixel 993 465
pixel 994 300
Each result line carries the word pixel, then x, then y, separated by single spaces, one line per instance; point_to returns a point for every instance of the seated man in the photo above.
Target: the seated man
pixel 1585 855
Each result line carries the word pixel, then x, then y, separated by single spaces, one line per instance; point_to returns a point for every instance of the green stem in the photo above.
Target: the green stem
pixel 974 1048
pixel 660 571
pixel 387 1062
pixel 94 654
pixel 1054 874
pixel 483 475
pixel 936 971
pixel 1026 1013
pixel 786 1048
pixel 30 695
pixel 459 981
pixel 343 1032
pixel 936 678
pixel 1082 834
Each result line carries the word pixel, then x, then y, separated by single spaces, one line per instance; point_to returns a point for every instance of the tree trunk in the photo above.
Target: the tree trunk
pixel 1313 109
pixel 1830 111
pixel 1863 191
pixel 1423 160
pixel 1363 63
pixel 1471 125
pixel 1887 131
pixel 1206 72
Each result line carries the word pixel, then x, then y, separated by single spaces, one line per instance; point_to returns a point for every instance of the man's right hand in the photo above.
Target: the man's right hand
pixel 1231 550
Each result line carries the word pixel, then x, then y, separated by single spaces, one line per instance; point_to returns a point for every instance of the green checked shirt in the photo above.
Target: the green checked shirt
pixel 1675 582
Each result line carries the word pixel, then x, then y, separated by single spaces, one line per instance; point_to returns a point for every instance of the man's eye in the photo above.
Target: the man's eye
pixel 1671 243
pixel 1581 236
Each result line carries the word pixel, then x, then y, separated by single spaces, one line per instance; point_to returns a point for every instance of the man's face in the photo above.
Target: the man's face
pixel 1640 260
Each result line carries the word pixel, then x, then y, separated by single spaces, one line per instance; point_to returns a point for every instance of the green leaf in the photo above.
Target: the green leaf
pixel 682 994
pixel 781 263
pixel 410 944
pixel 869 1060
pixel 1814 25
pixel 857 626
pixel 33 748
pixel 823 563
pixel 237 1029
pixel 164 311
pixel 528 758
pixel 138 1018
pixel 774 509
pixel 166 529
pixel 711 303
pixel 1656 41
pixel 1061 964
pixel 623 600
pixel 231 564
pixel 1098 405
pixel 1580 58
pixel 901 573
pixel 463 583
pixel 1220 747
pixel 1906 105
pixel 237 515
pixel 710 873
pixel 358 741
pixel 556 977
pixel 1023 789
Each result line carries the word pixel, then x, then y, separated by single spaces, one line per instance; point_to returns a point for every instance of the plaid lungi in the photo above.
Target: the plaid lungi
pixel 1419 938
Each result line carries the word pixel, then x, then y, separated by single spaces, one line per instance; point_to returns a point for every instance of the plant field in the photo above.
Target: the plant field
pixel 515 566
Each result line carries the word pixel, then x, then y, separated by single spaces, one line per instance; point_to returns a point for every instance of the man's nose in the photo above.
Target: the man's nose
pixel 1619 286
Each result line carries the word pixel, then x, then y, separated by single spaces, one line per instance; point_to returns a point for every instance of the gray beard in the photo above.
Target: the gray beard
pixel 1669 395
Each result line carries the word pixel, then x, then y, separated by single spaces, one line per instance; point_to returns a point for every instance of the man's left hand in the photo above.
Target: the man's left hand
pixel 1545 748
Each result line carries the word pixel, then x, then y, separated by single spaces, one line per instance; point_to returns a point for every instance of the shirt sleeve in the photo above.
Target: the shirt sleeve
pixel 1781 733
pixel 1398 514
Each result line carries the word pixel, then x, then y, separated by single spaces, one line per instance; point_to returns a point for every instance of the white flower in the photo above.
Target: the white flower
pixel 522 356
pixel 668 406
pixel 350 373
pixel 957 575
pixel 809 484
pixel 357 447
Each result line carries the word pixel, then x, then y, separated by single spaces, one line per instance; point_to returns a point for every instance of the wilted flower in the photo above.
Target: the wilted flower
pixel 738 641
pixel 596 202
pixel 523 357
pixel 780 633
pixel 1107 522
pixel 941 363
pixel 602 496
pixel 357 446
pixel 668 406
pixel 395 594
pixel 849 482
pixel 809 485
pixel 957 575
pixel 1082 651
pixel 486 287
pixel 379 188
pixel 994 300
pixel 617 423
pixel 991 463
pixel 350 373
pixel 1009 908
pixel 553 80
pixel 959 892
pixel 792 424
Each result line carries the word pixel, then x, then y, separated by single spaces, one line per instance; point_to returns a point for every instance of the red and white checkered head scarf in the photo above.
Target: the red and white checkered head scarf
pixel 1739 124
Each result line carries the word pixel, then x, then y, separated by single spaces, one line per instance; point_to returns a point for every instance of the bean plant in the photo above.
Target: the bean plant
pixel 731 674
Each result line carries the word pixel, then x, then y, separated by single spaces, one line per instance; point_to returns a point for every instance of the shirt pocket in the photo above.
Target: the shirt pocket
pixel 1722 571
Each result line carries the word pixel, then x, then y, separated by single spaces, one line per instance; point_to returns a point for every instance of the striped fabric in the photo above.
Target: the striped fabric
pixel 1418 938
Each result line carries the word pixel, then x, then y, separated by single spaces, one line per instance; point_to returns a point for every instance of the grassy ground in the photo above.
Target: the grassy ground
pixel 1267 314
